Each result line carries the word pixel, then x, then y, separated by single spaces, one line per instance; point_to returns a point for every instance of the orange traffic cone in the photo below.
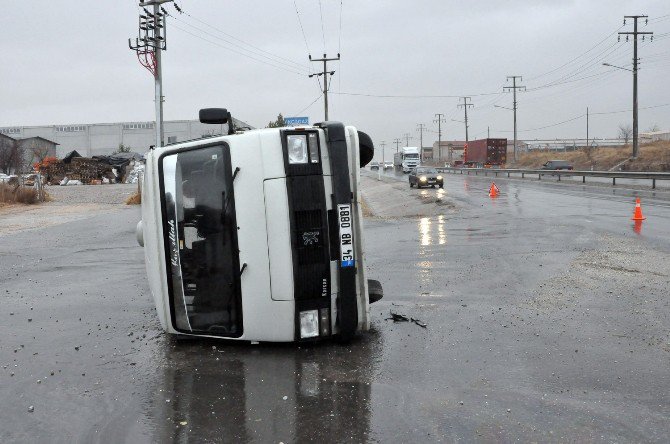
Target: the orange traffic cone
pixel 494 191
pixel 637 215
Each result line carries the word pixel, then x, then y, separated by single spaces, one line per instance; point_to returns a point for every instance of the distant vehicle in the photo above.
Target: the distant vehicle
pixel 406 159
pixel 557 165
pixel 9 179
pixel 374 165
pixel 425 176
pixel 388 165
pixel 486 153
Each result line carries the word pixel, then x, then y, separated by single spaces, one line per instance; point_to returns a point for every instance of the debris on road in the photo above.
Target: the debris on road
pixel 397 317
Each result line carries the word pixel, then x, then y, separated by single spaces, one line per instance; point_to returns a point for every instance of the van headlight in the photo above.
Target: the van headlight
pixel 309 324
pixel 422 178
pixel 439 177
pixel 297 148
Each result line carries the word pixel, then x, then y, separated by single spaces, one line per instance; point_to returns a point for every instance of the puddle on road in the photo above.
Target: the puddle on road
pixel 437 196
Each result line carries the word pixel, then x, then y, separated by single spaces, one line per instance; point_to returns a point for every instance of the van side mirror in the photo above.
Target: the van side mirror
pixel 214 116
pixel 217 116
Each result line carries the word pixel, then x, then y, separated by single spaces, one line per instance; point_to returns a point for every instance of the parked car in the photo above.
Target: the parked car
pixel 374 165
pixel 388 165
pixel 425 176
pixel 11 179
pixel 557 165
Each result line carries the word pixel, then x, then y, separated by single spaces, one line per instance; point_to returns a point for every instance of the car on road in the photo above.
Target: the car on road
pixel 557 165
pixel 388 165
pixel 374 165
pixel 425 176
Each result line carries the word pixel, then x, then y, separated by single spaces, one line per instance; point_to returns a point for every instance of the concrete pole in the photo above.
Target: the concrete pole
pixel 158 84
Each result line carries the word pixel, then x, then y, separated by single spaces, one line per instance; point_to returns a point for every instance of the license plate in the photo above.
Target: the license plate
pixel 346 237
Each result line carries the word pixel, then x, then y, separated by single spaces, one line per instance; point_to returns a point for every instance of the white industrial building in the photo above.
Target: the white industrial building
pixel 104 138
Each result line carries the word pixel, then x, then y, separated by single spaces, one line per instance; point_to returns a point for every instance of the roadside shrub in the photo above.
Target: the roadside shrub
pixel 17 194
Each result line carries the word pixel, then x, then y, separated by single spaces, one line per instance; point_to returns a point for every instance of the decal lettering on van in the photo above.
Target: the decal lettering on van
pixel 174 254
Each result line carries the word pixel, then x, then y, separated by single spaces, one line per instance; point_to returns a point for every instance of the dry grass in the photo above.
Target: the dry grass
pixel 16 194
pixel 653 157
pixel 134 199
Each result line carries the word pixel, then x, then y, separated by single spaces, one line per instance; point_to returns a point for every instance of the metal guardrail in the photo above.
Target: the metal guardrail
pixel 614 175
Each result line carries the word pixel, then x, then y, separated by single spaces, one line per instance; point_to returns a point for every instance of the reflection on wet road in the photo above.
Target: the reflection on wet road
pixel 263 393
pixel 432 231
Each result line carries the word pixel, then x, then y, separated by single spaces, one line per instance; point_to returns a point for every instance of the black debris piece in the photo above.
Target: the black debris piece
pixel 397 317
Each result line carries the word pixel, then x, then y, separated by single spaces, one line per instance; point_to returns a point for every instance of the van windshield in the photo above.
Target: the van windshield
pixel 200 232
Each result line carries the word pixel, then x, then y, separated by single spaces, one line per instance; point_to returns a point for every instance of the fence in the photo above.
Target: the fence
pixel 614 175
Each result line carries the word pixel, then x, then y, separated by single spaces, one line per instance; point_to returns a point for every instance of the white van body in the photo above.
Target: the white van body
pixel 190 248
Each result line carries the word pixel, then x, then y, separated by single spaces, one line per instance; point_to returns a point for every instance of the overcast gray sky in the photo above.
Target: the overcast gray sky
pixel 68 62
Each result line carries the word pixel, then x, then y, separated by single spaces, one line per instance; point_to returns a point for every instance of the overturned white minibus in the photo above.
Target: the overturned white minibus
pixel 257 235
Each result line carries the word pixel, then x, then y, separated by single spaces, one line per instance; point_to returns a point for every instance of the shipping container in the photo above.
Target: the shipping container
pixel 486 152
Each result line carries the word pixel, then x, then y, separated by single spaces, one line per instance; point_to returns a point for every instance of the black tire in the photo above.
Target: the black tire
pixel 375 291
pixel 366 148
pixel 432 186
pixel 442 186
pixel 410 185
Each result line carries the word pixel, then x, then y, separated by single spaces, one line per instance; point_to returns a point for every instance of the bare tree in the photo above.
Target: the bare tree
pixel 625 132
pixel 653 128
pixel 11 156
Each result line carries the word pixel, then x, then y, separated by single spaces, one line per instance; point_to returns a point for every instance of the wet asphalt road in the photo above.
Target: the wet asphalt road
pixel 547 311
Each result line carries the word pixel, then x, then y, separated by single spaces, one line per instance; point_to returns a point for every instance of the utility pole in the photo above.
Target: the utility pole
pixel 635 33
pixel 407 137
pixel 397 144
pixel 420 127
pixel 325 73
pixel 439 119
pixel 465 105
pixel 514 87
pixel 587 128
pixel 149 44
pixel 383 144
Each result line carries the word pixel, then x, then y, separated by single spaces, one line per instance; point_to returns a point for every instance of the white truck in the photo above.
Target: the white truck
pixel 407 159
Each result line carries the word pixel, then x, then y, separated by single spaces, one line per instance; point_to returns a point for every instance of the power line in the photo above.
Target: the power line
pixel 576 58
pixel 243 42
pixel 323 33
pixel 595 61
pixel 301 28
pixel 424 96
pixel 583 115
pixel 308 106
pixel 258 52
pixel 339 38
pixel 238 52
pixel 548 126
